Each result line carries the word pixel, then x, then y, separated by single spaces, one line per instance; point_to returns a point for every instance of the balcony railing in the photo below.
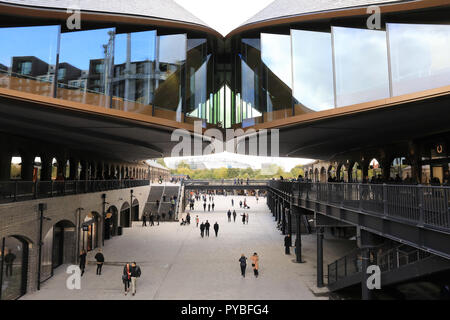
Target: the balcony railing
pixel 28 190
pixel 388 259
pixel 422 205
pixel 226 182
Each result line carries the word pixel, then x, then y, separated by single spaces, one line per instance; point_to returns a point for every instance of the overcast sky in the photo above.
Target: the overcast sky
pixel 224 16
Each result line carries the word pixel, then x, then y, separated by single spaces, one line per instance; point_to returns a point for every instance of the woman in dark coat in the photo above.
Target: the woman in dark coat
pixel 126 277
pixel 243 264
pixel 82 261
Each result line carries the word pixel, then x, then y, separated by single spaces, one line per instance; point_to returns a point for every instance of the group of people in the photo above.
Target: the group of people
pixel 99 257
pixel 152 218
pixel 131 271
pixel 255 264
pixel 204 228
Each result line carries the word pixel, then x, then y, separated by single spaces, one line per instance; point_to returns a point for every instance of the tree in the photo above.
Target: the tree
pixel 161 162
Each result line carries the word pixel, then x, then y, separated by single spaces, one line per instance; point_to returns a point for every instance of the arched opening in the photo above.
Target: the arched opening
pixel 125 215
pixel 135 210
pixel 16 168
pixel 375 172
pixel 356 173
pixel 14 267
pixel 400 171
pixel 54 168
pixel 58 247
pixel 37 168
pixel 316 175
pixel 89 232
pixel 111 222
pixel 323 175
pixel 341 173
pixel 331 173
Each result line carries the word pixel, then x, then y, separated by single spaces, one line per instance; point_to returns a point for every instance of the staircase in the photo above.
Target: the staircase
pixel 397 264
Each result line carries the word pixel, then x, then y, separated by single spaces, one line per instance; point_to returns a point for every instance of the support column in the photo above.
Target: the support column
pixel 5 166
pixel 26 169
pixel 320 232
pixel 298 238
pixel 84 170
pixel 73 169
pixel 61 166
pixel 46 167
pixel 366 294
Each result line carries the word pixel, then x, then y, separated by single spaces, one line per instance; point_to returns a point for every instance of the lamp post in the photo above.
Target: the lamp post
pixel 78 232
pixel 103 217
pixel 41 207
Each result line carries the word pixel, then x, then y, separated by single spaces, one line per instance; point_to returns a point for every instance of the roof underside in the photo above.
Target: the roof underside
pixel 286 8
pixel 162 9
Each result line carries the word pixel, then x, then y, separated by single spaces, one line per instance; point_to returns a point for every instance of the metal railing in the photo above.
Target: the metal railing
pixel 423 205
pixel 27 190
pixel 226 182
pixel 387 258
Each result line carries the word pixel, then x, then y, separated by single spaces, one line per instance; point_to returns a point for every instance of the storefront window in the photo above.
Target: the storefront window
pixel 134 72
pixel 27 59
pixel 312 70
pixel 87 78
pixel 419 57
pixel 361 65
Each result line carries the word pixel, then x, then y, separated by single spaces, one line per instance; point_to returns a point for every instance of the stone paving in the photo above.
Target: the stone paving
pixel 177 263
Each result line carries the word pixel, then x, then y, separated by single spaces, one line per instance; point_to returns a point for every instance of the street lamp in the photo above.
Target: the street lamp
pixel 41 207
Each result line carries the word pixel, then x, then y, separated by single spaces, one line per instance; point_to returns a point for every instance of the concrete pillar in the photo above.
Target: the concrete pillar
pixel 84 170
pixel 298 240
pixel 5 165
pixel 320 232
pixel 386 167
pixel 46 167
pixel 61 162
pixel 73 169
pixel 414 158
pixel 350 171
pixel 366 294
pixel 26 170
pixel 365 170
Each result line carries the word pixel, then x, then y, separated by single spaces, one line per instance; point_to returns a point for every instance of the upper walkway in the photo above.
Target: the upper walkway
pixel 413 214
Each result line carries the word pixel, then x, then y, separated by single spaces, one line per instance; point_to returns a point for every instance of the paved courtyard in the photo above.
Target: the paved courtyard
pixel 177 263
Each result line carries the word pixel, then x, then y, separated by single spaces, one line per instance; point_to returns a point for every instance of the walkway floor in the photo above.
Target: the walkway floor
pixel 177 263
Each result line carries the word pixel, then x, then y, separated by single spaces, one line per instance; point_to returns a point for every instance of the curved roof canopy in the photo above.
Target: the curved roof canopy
pixel 285 8
pixel 162 9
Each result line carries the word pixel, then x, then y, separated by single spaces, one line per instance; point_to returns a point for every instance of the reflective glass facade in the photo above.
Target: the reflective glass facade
pixel 239 82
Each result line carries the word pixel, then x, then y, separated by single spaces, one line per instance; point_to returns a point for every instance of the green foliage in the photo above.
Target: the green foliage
pixel 236 173
pixel 161 162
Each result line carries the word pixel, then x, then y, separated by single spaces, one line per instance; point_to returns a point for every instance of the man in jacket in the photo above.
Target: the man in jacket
pixel 207 228
pixel 229 215
pixel 135 272
pixel 216 228
pixel 202 229
pixel 100 260
pixel 287 244
pixel 234 215
pixel 243 264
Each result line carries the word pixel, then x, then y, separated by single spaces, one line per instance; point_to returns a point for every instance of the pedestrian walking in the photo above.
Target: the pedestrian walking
pixel 158 218
pixel 232 202
pixel 100 260
pixel 202 229
pixel 144 220
pixel 9 262
pixel 152 219
pixel 229 215
pixel 255 264
pixel 207 225
pixel 234 215
pixel 209 207
pixel 188 218
pixel 243 263
pixel 135 272
pixel 204 206
pixel 243 218
pixel 212 206
pixel 197 220
pixel 216 228
pixel 82 261
pixel 246 218
pixel 287 244
pixel 240 204
pixel 126 277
